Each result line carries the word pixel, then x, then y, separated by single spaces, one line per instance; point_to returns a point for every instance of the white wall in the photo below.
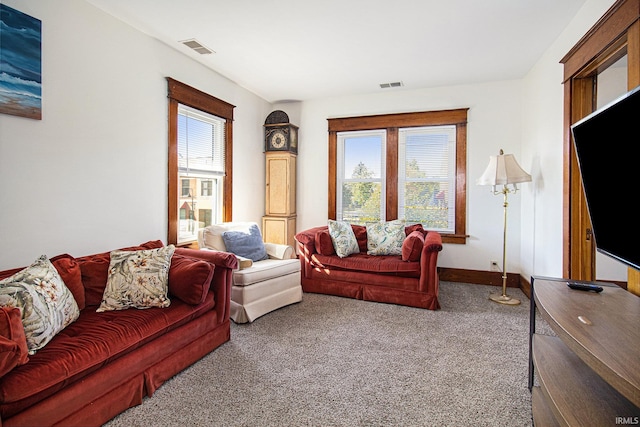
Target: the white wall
pixel 542 149
pixel 92 174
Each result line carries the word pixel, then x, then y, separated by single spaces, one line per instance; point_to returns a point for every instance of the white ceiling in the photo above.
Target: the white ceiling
pixel 305 49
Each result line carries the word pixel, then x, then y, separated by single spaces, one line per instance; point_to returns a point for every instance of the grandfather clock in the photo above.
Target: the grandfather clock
pixel 281 148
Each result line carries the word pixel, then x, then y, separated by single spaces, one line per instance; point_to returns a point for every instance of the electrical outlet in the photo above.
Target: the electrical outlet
pixel 494 266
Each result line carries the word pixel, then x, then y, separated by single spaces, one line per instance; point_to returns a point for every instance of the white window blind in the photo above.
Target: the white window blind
pixel 426 176
pixel 361 174
pixel 200 141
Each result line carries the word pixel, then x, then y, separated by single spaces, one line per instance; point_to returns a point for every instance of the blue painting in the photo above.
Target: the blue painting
pixel 20 64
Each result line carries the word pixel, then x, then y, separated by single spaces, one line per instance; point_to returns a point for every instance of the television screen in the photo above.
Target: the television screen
pixel 607 144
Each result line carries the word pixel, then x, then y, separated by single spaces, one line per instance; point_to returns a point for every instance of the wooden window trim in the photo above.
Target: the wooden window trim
pixel 392 122
pixel 180 93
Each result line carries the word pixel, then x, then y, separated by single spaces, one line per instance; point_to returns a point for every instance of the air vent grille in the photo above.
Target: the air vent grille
pixel 197 46
pixel 392 84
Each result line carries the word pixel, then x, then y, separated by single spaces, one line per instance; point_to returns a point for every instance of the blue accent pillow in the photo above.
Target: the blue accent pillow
pixel 246 245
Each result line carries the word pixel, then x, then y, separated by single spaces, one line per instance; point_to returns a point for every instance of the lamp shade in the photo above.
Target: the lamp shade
pixel 502 170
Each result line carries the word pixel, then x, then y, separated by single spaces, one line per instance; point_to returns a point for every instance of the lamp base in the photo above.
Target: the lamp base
pixel 504 299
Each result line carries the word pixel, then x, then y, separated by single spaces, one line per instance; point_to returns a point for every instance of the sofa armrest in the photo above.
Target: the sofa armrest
pixel 218 258
pixel 429 281
pixel 225 263
pixel 307 239
pixel 432 242
pixel 306 244
pixel 278 251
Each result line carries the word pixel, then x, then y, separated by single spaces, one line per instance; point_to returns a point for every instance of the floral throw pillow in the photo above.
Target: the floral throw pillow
pixel 46 303
pixel 138 279
pixel 385 238
pixel 343 238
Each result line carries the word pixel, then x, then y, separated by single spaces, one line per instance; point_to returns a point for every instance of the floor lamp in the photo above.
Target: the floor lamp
pixel 504 170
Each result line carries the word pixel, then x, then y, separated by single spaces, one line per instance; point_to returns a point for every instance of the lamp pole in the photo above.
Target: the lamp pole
pixel 504 298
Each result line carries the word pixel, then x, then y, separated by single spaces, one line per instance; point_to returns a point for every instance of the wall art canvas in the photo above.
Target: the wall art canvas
pixel 20 64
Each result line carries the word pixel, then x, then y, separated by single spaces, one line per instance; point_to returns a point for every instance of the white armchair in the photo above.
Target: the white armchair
pixel 259 287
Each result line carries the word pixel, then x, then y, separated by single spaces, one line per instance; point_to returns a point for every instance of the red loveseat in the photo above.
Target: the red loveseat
pixel 104 363
pixel 409 279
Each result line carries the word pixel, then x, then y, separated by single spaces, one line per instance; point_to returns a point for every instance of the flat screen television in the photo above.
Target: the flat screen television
pixel 607 144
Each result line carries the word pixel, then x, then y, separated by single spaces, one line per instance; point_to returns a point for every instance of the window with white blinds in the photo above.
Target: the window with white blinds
pixel 200 141
pixel 201 167
pixel 361 176
pixel 426 176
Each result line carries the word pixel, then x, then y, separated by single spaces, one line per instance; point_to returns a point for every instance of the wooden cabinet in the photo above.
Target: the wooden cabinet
pixel 279 223
pixel 589 373
pixel 281 184
pixel 279 229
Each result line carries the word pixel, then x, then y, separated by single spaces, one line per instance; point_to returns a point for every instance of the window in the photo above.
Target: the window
pixel 361 157
pixel 426 176
pixel 186 188
pixel 200 148
pixel 408 165
pixel 206 187
pixel 200 161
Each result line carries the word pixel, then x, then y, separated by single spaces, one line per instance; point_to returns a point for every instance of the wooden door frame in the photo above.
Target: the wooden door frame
pixel 615 34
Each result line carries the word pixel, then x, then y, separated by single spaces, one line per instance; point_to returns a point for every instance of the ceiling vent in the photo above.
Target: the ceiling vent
pixel 197 46
pixel 392 84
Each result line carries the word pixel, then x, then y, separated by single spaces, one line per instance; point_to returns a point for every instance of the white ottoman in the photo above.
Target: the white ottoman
pixel 265 286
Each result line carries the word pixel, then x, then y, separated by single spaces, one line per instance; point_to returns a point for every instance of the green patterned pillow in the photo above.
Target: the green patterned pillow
pixel 138 279
pixel 46 303
pixel 385 238
pixel 343 238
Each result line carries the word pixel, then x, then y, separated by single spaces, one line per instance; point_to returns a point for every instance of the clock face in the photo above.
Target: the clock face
pixel 278 140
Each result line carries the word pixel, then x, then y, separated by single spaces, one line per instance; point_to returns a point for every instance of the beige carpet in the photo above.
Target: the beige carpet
pixel 331 361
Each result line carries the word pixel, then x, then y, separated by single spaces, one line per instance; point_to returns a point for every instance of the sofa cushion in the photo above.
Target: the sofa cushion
pixel 69 270
pixel 343 238
pixel 138 279
pixel 46 304
pixel 13 342
pixel 414 227
pixel 263 270
pixel 86 345
pixel 247 244
pixel 9 355
pixel 189 278
pixel 360 231
pixel 368 263
pixel 323 243
pixel 385 238
pixel 95 270
pixel 412 246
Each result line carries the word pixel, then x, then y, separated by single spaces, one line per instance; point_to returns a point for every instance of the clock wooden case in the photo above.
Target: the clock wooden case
pixel 281 147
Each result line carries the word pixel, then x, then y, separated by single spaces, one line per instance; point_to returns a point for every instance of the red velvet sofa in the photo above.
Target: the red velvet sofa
pixel 104 363
pixel 410 279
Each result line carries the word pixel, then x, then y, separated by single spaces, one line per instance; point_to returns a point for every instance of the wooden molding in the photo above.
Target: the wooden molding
pixel 426 118
pixel 180 93
pixel 613 25
pixel 478 277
